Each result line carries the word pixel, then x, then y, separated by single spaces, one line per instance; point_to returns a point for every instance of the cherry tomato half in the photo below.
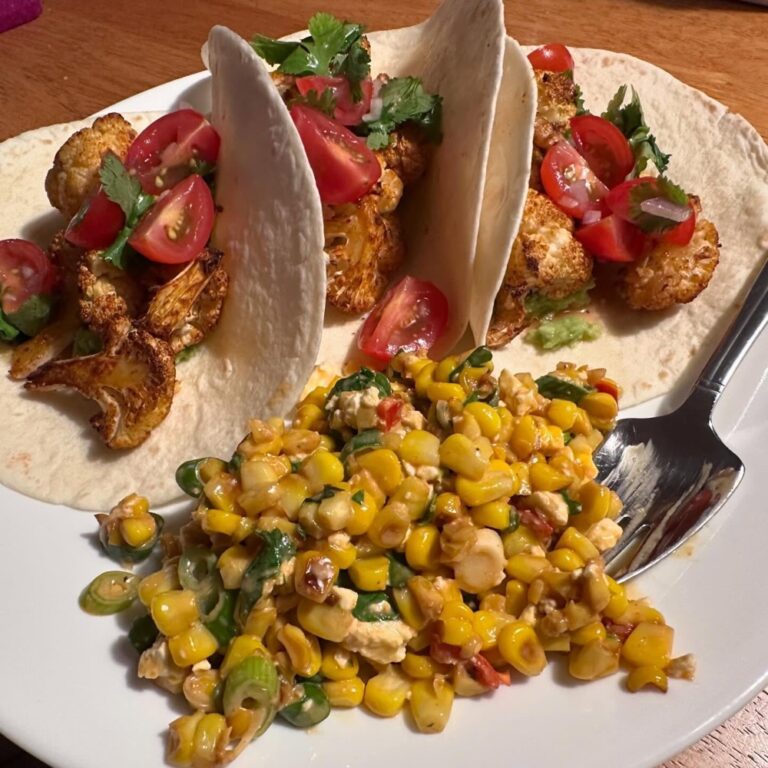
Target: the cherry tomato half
pixel 388 411
pixel 344 166
pixel 569 181
pixel 604 147
pixel 25 271
pixel 681 234
pixel 536 521
pixel 554 57
pixel 177 227
pixel 412 315
pixel 348 111
pixel 612 239
pixel 482 670
pixel 161 154
pixel 96 224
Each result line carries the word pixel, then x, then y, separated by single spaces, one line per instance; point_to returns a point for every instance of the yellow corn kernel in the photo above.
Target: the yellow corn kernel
pixel 456 609
pixel 192 646
pixel 335 512
pixel 420 448
pixel 292 492
pixel 164 580
pixel 618 603
pixel 521 540
pixel 419 666
pixel 210 740
pixel 262 616
pixel 493 601
pixel 527 567
pixel 300 441
pixel 546 478
pixel 330 622
pixel 640 677
pixel 421 640
pixel 240 647
pixel 638 611
pixel 309 416
pixel 138 530
pixel 466 424
pixel 317 396
pixel 487 417
pixel 303 651
pixel 455 631
pixel 415 494
pixel 422 549
pixel 345 693
pixel 448 506
pixel 463 456
pixel 446 366
pixel 579 543
pixel 390 526
pixel 363 512
pixel 488 624
pixel 232 564
pixel 649 645
pixel 342 553
pixel 174 611
pixel 521 648
pixel 450 590
pixel 256 474
pixel 385 693
pixel 409 608
pixel 588 633
pixel 338 663
pixel 492 514
pixel 600 406
pixel 597 658
pixel 384 467
pixel 523 438
pixel 562 413
pixel 595 504
pixel 181 738
pixel 498 482
pixel 221 491
pixel 565 559
pixel 370 574
pixel 424 378
pixel 320 469
pixel 582 424
pixel 256 502
pixel 516 597
pixel 431 703
pixel 219 521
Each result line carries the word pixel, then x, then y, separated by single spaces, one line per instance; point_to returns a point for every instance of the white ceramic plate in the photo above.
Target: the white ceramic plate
pixel 68 691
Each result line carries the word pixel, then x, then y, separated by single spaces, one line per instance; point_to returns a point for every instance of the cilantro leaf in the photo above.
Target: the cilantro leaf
pixel 404 99
pixel 661 187
pixel 630 120
pixel 32 315
pixel 328 38
pixel 86 342
pixel 115 254
pixel 186 353
pixel 355 65
pixel 7 331
pixel 119 186
pixel 324 102
pixel 272 51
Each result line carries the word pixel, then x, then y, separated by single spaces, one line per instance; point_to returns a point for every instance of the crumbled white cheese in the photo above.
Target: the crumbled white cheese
pixel 552 506
pixel 339 539
pixel 604 534
pixel 354 409
pixel 411 418
pixel 529 615
pixel 346 599
pixel 381 641
pixel 519 398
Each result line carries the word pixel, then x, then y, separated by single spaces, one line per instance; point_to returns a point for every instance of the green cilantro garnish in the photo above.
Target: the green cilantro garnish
pixel 125 190
pixel 323 102
pixel 32 315
pixel 185 354
pixel 358 497
pixel 85 343
pixel 7 331
pixel 404 99
pixel 631 121
pixel 661 187
pixel 574 507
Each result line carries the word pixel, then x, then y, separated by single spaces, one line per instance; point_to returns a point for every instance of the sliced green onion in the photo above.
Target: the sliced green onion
pixel 362 441
pixel 198 572
pixel 188 477
pixel 555 387
pixel 110 592
pixel 254 685
pixel 311 708
pixel 220 621
pixel 374 606
pixel 399 572
pixel 477 358
pixel 125 553
pixel 143 633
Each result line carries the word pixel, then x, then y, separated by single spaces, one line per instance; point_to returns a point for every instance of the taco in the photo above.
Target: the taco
pixel 631 241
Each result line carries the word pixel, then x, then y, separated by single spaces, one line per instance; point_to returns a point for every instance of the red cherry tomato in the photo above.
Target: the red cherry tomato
pixel 482 670
pixel 612 239
pixel 539 524
pixel 388 411
pixel 25 271
pixel 344 166
pixel 682 233
pixel 412 315
pixel 554 57
pixel 604 147
pixel 569 181
pixel 443 653
pixel 622 631
pixel 608 386
pixel 347 111
pixel 162 152
pixel 96 224
pixel 177 227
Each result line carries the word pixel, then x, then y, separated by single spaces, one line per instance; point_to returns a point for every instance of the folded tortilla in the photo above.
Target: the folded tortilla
pixel 254 363
pixel 716 155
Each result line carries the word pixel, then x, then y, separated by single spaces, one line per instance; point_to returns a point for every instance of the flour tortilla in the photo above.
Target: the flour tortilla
pixel 716 155
pixel 257 359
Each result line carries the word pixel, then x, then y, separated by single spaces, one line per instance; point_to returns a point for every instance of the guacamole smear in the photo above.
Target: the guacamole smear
pixel 562 332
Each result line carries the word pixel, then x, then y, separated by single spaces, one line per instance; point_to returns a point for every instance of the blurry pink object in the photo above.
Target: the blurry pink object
pixel 13 13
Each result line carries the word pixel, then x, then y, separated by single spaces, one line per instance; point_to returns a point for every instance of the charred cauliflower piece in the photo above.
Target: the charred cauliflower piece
pixel 407 153
pixel 75 171
pixel 183 311
pixel 545 258
pixel 132 380
pixel 673 274
pixel 556 106
pixel 364 246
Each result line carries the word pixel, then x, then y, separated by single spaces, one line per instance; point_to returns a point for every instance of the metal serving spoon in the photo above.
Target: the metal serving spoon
pixel 673 472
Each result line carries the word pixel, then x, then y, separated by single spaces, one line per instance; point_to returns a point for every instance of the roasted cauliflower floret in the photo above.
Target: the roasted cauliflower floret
pixel 673 274
pixel 184 310
pixel 407 153
pixel 556 106
pixel 364 247
pixel 75 171
pixel 132 380
pixel 545 258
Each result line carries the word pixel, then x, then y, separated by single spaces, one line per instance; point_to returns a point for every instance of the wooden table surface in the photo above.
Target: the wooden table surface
pixel 81 55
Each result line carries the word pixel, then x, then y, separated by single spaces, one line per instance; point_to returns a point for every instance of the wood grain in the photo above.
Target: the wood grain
pixel 81 55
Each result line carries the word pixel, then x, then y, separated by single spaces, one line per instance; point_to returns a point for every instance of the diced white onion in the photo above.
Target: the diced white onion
pixel 591 217
pixel 665 209
pixel 374 113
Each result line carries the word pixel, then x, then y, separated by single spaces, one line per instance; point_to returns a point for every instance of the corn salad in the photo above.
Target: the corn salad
pixel 406 538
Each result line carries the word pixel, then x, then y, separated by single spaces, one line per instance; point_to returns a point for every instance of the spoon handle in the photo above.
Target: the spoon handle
pixel 742 333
